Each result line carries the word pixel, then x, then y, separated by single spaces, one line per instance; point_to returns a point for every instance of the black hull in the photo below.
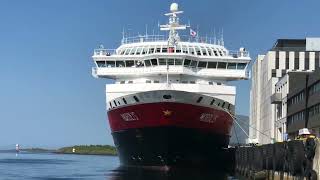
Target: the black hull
pixel 171 146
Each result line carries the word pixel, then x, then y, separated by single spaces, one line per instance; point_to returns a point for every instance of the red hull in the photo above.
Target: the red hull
pixel 170 114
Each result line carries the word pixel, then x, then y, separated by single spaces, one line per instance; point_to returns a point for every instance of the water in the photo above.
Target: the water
pixel 29 166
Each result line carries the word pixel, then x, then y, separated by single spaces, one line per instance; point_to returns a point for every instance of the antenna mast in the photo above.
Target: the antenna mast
pixel 173 25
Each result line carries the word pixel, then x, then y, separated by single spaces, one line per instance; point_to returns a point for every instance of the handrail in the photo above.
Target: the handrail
pixel 161 38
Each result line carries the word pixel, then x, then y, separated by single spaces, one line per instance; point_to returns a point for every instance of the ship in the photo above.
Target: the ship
pixel 170 103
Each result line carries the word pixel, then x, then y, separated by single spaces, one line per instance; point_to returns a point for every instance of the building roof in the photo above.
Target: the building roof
pixel 289 45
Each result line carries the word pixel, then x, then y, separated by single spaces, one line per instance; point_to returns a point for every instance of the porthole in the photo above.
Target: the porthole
pixel 199 100
pixel 136 98
pixel 124 100
pixel 167 96
pixel 212 101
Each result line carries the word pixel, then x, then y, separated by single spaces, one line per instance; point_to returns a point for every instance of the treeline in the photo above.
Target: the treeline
pixel 89 150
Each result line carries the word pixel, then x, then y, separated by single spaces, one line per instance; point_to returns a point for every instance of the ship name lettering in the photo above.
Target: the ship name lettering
pixel 129 116
pixel 208 118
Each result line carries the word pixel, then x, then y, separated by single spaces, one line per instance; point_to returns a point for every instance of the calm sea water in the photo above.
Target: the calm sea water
pixel 29 166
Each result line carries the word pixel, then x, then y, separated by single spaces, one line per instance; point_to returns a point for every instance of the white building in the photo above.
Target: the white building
pixel 286 55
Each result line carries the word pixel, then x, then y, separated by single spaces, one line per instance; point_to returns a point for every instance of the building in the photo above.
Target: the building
pixel 287 55
pixel 304 103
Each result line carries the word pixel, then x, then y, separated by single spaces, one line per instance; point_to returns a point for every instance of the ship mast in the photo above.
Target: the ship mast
pixel 173 25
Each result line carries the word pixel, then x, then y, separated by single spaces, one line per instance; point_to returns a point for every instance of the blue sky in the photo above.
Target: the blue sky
pixel 48 97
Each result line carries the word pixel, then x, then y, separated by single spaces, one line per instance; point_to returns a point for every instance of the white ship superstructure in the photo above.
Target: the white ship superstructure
pixel 169 87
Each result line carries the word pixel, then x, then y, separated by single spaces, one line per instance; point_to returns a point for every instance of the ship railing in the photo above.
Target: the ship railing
pixel 104 52
pixel 162 38
pixel 237 54
pixel 164 69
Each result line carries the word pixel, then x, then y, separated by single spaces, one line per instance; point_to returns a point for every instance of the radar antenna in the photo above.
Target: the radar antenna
pixel 173 25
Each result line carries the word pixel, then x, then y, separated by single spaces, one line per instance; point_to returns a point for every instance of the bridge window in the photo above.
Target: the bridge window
pixel 198 51
pixel 194 63
pixel 178 62
pixel 202 64
pixel 154 62
pixel 155 81
pixel 145 50
pixel 212 65
pixel 162 62
pixel 114 102
pixel 122 82
pixel 120 64
pixel 170 61
pixel 139 63
pixel 151 50
pixel 128 51
pixel 204 52
pixel 129 63
pixel 147 62
pixel 130 82
pixel 164 50
pixel 139 51
pixel 184 49
pixel 222 65
pixel 241 65
pixel 133 51
pixel 210 83
pixel 110 63
pixel 187 62
pixel 192 82
pixel 101 63
pixel 178 50
pixel 110 104
pixel 148 81
pixel 122 51
pixel 232 66
pixel 158 49
pixel 191 50
pixel 209 51
pixel 220 52
pixel 184 82
pixel 215 53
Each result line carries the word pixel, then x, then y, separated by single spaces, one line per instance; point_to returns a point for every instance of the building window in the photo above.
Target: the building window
pixel 287 60
pixel 277 59
pixel 273 73
pixel 306 61
pixel 296 60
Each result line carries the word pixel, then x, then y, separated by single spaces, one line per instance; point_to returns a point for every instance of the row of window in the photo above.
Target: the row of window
pixel 194 50
pixel 300 116
pixel 314 110
pixel 183 82
pixel 114 104
pixel 296 117
pixel 176 62
pixel 296 99
pixel 314 88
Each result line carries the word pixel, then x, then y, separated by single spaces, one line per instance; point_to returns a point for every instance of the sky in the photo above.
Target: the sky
pixel 48 97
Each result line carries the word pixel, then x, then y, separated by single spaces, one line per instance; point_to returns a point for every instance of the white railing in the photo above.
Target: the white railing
pixel 161 38
pixel 133 71
pixel 104 52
